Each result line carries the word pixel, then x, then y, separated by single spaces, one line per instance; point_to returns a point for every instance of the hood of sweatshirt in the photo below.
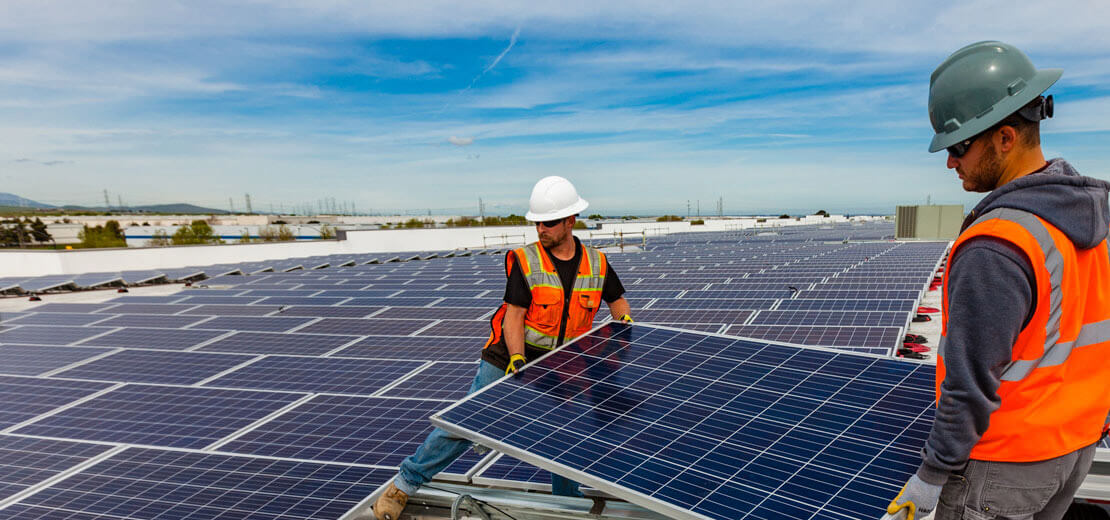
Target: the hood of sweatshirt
pixel 1075 204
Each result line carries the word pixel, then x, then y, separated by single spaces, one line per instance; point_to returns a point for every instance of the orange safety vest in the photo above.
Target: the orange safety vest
pixel 1055 392
pixel 549 315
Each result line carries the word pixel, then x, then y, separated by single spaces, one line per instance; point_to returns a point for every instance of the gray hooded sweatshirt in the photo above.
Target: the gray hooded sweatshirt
pixel 991 298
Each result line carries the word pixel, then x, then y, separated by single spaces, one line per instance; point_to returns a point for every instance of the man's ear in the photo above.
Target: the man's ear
pixel 1008 138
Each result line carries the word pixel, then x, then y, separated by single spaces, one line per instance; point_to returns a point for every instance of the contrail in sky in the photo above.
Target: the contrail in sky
pixel 512 41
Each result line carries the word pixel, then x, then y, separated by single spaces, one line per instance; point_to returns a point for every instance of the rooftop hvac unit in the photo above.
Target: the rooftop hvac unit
pixel 929 222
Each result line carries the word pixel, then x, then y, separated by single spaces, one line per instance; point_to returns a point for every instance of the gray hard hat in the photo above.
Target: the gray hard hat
pixel 980 85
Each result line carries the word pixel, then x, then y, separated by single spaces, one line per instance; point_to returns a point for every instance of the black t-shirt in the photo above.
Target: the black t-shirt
pixel 517 293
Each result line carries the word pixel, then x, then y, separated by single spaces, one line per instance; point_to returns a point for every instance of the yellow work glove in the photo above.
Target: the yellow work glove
pixel 516 364
pixel 916 500
pixel 627 319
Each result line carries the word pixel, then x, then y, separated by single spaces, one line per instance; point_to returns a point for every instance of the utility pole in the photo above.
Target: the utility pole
pixel 231 204
pixel 687 208
pixel 250 210
pixel 699 208
pixel 481 212
pixel 107 201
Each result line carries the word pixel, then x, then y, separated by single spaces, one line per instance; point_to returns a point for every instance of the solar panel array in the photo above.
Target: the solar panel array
pixel 333 371
pixel 698 426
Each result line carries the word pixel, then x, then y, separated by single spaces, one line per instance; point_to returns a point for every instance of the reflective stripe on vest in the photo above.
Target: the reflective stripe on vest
pixel 1055 396
pixel 543 275
pixel 1056 352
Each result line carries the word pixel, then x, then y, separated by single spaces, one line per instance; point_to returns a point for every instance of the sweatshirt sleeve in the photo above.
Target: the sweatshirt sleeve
pixel 990 299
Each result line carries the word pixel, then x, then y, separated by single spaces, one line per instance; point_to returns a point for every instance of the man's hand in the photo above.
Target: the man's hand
pixel 516 364
pixel 627 319
pixel 916 500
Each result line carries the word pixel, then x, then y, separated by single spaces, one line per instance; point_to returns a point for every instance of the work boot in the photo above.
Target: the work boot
pixel 391 503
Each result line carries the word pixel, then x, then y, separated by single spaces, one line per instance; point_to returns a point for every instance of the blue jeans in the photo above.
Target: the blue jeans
pixel 440 449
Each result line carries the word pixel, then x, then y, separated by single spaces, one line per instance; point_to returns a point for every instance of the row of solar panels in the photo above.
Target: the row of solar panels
pixel 248 422
pixel 22 285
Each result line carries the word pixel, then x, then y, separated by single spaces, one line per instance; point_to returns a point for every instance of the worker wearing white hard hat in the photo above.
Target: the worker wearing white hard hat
pixel 554 289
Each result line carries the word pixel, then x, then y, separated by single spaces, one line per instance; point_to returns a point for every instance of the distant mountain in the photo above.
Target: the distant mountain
pixel 15 201
pixel 180 208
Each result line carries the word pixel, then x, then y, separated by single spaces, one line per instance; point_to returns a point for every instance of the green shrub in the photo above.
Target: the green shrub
pixel 281 233
pixel 159 239
pixel 698 222
pixel 198 232
pixel 108 235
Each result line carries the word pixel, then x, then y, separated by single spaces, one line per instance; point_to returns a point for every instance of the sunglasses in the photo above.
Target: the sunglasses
pixel 551 223
pixel 959 149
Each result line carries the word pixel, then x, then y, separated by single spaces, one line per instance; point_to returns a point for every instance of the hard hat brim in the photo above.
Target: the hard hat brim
pixel 1043 79
pixel 573 209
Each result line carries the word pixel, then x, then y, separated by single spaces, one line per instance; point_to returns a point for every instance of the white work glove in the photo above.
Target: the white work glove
pixel 916 500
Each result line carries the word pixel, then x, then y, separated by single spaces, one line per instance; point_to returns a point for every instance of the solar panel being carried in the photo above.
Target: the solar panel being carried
pixel 696 426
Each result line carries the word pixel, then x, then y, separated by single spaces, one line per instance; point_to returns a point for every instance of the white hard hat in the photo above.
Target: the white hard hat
pixel 553 198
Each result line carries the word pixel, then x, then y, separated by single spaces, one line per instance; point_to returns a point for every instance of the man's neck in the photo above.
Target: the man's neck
pixel 1021 165
pixel 564 250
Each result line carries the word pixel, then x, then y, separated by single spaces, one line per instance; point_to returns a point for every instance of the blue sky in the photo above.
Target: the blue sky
pixel 414 106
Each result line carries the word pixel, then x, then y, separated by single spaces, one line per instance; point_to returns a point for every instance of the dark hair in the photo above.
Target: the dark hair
pixel 1029 132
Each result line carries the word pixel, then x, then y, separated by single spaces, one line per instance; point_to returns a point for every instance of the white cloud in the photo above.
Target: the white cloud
pixel 460 141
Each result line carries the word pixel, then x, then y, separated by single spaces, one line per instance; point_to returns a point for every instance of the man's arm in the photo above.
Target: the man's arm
pixel 512 327
pixel 619 308
pixel 990 297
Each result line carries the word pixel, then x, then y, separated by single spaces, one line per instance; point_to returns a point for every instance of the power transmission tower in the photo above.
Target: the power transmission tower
pixel 231 204
pixel 687 207
pixel 250 210
pixel 481 212
pixel 120 199
pixel 107 201
pixel 699 208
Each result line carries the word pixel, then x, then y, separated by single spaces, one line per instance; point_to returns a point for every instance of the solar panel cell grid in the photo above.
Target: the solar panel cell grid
pixel 232 310
pixel 30 360
pixel 872 340
pixel 48 335
pixel 357 430
pixel 220 300
pixel 181 417
pixel 153 366
pixel 904 306
pixel 343 311
pixel 276 343
pixel 458 328
pixel 428 348
pixel 299 300
pixel 156 321
pixel 446 381
pixel 693 316
pixel 306 374
pixel 365 326
pixel 24 398
pixel 160 339
pixel 147 483
pixel 396 301
pixel 714 304
pixel 253 323
pixel 774 432
pixel 26 462
pixel 509 472
pixel 146 308
pixel 831 318
pixel 435 313
pixel 55 318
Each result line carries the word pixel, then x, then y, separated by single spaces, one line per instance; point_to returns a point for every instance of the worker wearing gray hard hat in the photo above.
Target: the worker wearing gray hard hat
pixel 553 291
pixel 1023 388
